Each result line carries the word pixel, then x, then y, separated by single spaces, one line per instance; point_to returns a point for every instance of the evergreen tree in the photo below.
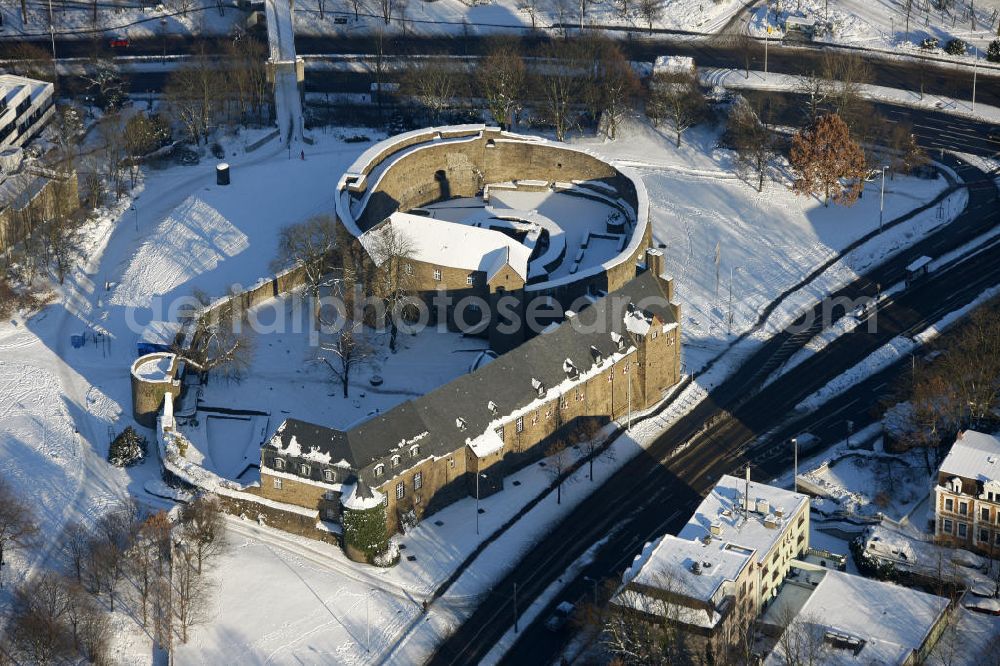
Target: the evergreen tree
pixel 127 449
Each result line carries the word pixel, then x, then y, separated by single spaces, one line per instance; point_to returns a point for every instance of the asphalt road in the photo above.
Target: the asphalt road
pixel 936 79
pixel 656 491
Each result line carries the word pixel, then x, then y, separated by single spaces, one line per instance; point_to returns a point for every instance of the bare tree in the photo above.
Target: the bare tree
pixel 190 594
pixel 802 640
pixel 204 528
pixel 501 77
pixel 675 97
pixel 194 93
pixel 75 542
pixel 387 10
pixel 651 11
pixel 113 537
pixel 612 85
pixel 148 559
pixel 220 343
pixel 17 523
pixel 587 436
pixel 393 281
pixel 313 246
pixel 752 141
pixel 247 76
pixel 634 637
pixel 346 347
pixel 559 84
pixel 141 136
pixel 529 7
pixel 38 620
pixel 559 460
pixel 434 82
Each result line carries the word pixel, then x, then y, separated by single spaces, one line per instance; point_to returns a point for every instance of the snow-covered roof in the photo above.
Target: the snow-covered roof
pixel 160 332
pixel 673 64
pixel 974 455
pixel 444 243
pixel 487 443
pixel 723 508
pixel 156 367
pixel 689 568
pixel 883 623
pixel 917 264
pixel 359 497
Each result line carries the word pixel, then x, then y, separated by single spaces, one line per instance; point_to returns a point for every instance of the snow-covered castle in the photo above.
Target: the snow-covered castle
pixel 620 354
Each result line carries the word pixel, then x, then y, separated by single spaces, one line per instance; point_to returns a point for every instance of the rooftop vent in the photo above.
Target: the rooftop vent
pixel 770 521
pixel 779 511
pixel 707 539
pixel 762 505
pixel 715 528
pixel 696 568
pixel 706 565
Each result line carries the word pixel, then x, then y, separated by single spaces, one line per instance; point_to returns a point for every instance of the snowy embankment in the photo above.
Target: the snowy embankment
pixel 737 79
pixel 888 354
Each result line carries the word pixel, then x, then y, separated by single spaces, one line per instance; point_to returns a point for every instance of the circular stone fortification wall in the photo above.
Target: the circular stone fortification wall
pixel 153 376
pixel 418 168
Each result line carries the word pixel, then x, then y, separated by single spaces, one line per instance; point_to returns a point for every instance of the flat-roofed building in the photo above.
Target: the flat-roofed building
pixel 25 106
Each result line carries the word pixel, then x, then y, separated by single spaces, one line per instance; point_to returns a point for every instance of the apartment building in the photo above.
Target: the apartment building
pixel 967 494
pixel 25 106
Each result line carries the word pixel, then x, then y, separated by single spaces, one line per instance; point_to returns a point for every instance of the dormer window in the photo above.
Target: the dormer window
pixel 414 450
pixel 304 470
pixel 596 354
pixel 395 461
pixel 328 475
pixel 492 406
pixel 570 369
pixel 539 387
pixel 955 484
pixel 619 340
pixel 379 470
pixel 279 464
pixel 460 423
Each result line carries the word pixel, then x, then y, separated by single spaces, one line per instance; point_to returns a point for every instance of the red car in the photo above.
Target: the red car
pixel 119 43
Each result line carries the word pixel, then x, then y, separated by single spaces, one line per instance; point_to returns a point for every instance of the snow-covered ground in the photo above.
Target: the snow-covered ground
pixel 186 234
pixel 766 242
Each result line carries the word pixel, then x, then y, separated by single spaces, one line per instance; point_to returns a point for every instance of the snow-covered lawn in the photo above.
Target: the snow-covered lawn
pixel 195 235
pixel 766 242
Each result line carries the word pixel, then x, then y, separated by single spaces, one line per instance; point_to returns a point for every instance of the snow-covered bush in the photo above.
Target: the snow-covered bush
pixel 956 47
pixel 930 43
pixel 993 52
pixel 127 449
pixel 365 535
pixel 389 557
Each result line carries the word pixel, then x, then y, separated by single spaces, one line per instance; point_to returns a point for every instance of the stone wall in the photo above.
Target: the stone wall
pixel 288 521
pixel 147 396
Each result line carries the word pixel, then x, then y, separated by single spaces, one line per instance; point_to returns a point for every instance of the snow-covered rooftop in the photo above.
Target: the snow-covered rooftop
pixel 487 443
pixel 154 367
pixel 723 508
pixel 693 569
pixel 453 245
pixel 881 622
pixel 673 64
pixel 974 455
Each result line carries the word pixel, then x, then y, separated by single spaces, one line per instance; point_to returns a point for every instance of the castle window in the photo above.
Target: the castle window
pixel 379 470
pixel 628 366
pixel 437 274
pixel 330 514
pixel 563 403
pixel 534 418
pixel 655 333
pixel 279 464
pixel 451 463
pixel 304 470
pixel 395 461
pixel 611 375
pixel 418 481
pixel 499 432
pixel 408 269
pixel 329 496
pixel 400 490
pixel 277 484
pixel 519 424
pixel 414 450
pixel 470 280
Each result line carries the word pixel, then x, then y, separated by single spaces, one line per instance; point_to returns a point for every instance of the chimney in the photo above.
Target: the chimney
pixel 656 263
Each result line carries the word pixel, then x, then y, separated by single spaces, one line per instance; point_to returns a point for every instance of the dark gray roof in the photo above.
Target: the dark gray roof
pixel 506 381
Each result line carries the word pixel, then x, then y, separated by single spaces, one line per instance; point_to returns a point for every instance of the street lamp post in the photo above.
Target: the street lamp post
pixel 478 474
pixel 975 63
pixel 135 212
pixel 881 201
pixel 795 469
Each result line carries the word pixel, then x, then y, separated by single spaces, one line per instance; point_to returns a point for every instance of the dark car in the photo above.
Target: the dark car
pixel 560 616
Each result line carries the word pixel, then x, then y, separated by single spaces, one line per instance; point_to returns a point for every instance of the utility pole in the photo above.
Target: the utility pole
pixel 795 469
pixel 766 40
pixel 881 201
pixel 975 63
pixel 515 608
pixel 729 328
pixel 477 498
pixel 368 621
pixel 629 428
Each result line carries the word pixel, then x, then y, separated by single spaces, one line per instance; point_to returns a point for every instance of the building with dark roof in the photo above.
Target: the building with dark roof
pixel 619 354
